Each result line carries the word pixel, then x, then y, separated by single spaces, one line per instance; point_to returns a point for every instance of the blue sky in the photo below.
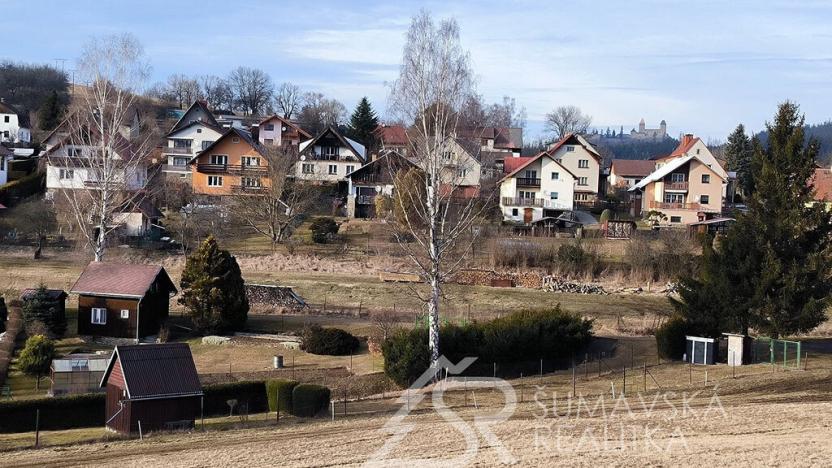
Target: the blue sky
pixel 702 66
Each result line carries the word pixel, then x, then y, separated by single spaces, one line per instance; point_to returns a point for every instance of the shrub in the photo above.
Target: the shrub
pixel 574 259
pixel 323 228
pixel 521 336
pixel 39 307
pixel 329 341
pixel 36 357
pixel 252 393
pixel 279 392
pixel 4 314
pixel 22 188
pixel 308 400
pixel 670 338
pixel 56 413
pixel 605 216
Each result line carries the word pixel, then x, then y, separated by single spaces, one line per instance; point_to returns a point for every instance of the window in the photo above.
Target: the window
pixel 448 155
pixel 583 163
pixel 251 161
pixel 251 182
pixel 674 198
pixel 308 168
pixel 329 150
pixel 98 316
pixel 462 173
pixel 555 176
pixel 269 141
pixel 219 159
pixel 677 177
pixel 514 212
pixel 706 178
pixel 553 195
pixel 66 174
pixel 215 181
pixel 675 219
pixel 527 195
pixel 180 161
pixel 179 143
pixel 582 181
pixel 73 152
pixel 235 140
pixel 697 150
pixel 570 148
pixel 350 168
pixel 531 174
pixel 199 130
pixel 2 163
pixel 333 169
pixel 6 118
pixel 206 144
pixel 269 127
pixel 125 313
pixel 704 199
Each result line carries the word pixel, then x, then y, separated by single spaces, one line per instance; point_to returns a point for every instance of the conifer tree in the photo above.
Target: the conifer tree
pixel 363 123
pixel 36 357
pixel 213 289
pixel 49 114
pixel 739 151
pixel 41 308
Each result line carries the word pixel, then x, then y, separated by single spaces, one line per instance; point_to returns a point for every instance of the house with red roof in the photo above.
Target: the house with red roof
pixel 624 173
pixel 692 145
pixel 392 138
pixel 535 188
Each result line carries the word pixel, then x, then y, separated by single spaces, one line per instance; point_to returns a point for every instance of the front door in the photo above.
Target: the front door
pixel 527 215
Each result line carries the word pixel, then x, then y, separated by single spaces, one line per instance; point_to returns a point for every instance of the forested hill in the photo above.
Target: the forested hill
pixel 822 133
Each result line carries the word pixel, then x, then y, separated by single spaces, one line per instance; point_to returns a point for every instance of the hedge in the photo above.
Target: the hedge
pixel 251 392
pixel 308 400
pixel 279 392
pixel 328 341
pixel 65 412
pixel 670 338
pixel 522 336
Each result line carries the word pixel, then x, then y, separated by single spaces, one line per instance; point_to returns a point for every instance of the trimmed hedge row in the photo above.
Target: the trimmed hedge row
pixel 279 392
pixel 308 400
pixel 328 341
pixel 253 393
pixel 55 413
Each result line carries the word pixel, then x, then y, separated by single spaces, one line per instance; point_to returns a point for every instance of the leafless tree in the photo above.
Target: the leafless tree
pixel 475 113
pixel 216 92
pixel 567 119
pixel 319 112
pixel 252 88
pixel 275 206
pixel 104 157
pixel 437 218
pixel 287 100
pixel 34 217
pixel 184 90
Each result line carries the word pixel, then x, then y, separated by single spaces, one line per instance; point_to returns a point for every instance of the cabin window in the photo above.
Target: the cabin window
pixel 555 176
pixel 269 127
pixel 99 316
pixel 447 155
pixel 220 159
pixel 308 169
pixel 333 169
pixel 706 178
pixel 215 181
pixel 350 168
pixel 583 163
pixel 125 313
pixel 329 150
pixel 6 118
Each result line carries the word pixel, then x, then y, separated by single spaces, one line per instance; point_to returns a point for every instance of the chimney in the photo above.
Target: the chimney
pixel 687 138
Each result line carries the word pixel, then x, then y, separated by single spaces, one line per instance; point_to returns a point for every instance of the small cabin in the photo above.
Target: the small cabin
pixel 78 373
pixel 122 300
pixel 154 386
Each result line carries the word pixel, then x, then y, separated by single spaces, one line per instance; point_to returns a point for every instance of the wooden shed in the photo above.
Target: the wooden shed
pixel 155 385
pixel 122 300
pixel 700 350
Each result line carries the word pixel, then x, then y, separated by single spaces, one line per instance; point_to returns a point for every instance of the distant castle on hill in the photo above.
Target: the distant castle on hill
pixel 642 134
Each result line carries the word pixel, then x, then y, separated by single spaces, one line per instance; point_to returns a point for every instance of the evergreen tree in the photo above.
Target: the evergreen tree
pixel 739 151
pixel 36 357
pixel 41 308
pixel 213 289
pixel 4 314
pixel 49 114
pixel 773 270
pixel 363 123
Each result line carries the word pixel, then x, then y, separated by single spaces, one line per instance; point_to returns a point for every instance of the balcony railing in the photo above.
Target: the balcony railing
pixel 682 186
pixel 528 182
pixel 518 201
pixel 681 206
pixel 323 157
pixel 230 169
pixel 178 150
pixel 176 168
pixel 248 188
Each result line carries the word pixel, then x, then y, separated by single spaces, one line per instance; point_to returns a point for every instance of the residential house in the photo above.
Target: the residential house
pixel 6 156
pixel 195 131
pixel 497 139
pixel 130 129
pixel 538 187
pixel 373 179
pixel 691 145
pixel 392 138
pixel 138 217
pixel 282 132
pixel 624 173
pixel 329 157
pixel 228 119
pixel 583 161
pixel 14 125
pixel 233 164
pixel 122 300
pixel 151 387
pixel 77 373
pixel 686 189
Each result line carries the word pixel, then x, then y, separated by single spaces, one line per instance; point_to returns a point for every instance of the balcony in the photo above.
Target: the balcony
pixel 323 157
pixel 178 150
pixel 177 168
pixel 230 169
pixel 248 188
pixel 528 182
pixel 682 206
pixel 517 201
pixel 676 186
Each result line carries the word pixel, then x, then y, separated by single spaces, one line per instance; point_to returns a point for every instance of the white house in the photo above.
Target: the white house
pixel 329 157
pixel 14 125
pixel 583 161
pixel 6 156
pixel 539 187
pixel 279 131
pixel 68 167
pixel 196 130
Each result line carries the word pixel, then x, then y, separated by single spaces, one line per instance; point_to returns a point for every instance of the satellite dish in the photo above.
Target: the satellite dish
pixel 378 188
pixel 284 129
pixel 303 158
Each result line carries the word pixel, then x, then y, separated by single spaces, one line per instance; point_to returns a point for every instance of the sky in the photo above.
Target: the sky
pixel 702 66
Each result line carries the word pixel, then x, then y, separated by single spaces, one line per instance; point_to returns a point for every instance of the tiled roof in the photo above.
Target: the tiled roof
pixel 154 371
pixel 393 135
pixel 6 108
pixel 286 121
pixel 54 294
pixel 119 279
pixel 632 167
pixel 511 164
pixel 684 146
pixel 822 182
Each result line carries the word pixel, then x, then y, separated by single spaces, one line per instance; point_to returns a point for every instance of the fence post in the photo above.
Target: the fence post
pixel 141 436
pixel 345 400
pixel 645 376
pixel 690 373
pixel 541 367
pixel 573 379
pixel 586 365
pixel 202 411
pixel 806 361
pixel 332 409
pixel 37 428
pixel 495 370
pixel 277 406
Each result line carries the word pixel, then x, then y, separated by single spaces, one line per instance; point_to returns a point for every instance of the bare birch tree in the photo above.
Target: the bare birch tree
pixel 567 119
pixel 103 160
pixel 436 211
pixel 276 204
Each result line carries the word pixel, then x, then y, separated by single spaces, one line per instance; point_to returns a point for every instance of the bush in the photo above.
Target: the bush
pixel 521 336
pixel 36 357
pixel 574 259
pixel 22 188
pixel 605 216
pixel 279 392
pixel 670 338
pixel 329 341
pixel 252 393
pixel 323 229
pixel 56 413
pixel 4 314
pixel 40 308
pixel 308 400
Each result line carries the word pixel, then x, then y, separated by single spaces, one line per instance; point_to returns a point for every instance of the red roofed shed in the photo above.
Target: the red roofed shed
pixel 154 384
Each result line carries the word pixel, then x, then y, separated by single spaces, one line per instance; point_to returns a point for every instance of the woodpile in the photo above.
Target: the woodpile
pixel 529 279
pixel 561 285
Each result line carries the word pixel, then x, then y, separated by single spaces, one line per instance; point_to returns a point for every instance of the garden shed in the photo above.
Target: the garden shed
pixel 78 373
pixel 739 349
pixel 700 350
pixel 154 386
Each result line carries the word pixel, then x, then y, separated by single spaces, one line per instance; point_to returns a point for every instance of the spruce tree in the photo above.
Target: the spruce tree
pixel 49 114
pixel 739 152
pixel 39 307
pixel 363 123
pixel 213 289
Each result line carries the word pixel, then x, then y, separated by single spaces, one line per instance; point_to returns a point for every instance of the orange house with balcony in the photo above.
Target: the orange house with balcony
pixel 233 164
